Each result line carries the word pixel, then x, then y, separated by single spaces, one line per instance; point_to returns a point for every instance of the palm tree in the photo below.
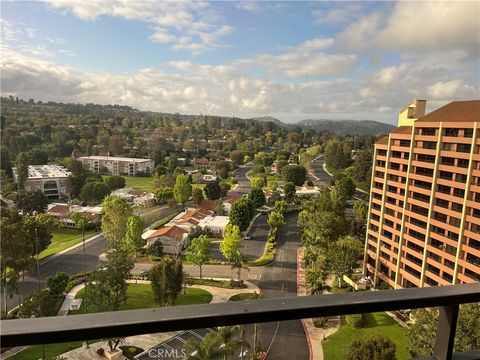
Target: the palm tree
pixel 227 338
pixel 207 349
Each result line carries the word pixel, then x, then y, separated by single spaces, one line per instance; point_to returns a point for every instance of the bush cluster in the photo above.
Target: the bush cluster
pixel 357 321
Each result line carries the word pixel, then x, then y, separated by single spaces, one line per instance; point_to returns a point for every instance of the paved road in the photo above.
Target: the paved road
pixel 325 179
pixel 244 185
pixel 253 248
pixel 70 262
pixel 279 279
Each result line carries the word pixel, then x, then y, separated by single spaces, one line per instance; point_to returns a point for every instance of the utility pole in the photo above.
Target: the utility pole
pixel 39 287
pixel 85 281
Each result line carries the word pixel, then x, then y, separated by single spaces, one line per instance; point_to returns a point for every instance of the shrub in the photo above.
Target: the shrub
pixel 57 283
pixel 320 322
pixel 376 347
pixel 157 248
pixel 357 321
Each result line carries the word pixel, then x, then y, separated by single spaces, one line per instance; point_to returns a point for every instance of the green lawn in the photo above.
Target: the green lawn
pixel 337 344
pixel 244 296
pixel 140 296
pixel 51 350
pixel 142 183
pixel 62 239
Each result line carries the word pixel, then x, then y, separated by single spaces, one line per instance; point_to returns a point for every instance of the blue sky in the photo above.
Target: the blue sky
pixel 291 60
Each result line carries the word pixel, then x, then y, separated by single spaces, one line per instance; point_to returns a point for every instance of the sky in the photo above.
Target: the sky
pixel 290 60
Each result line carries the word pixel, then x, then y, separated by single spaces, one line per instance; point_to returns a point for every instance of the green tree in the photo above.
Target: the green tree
pixel 421 332
pixel 257 182
pixel 38 233
pixel 115 182
pixel 345 186
pixel 273 185
pixel 230 247
pixel 133 236
pixel 376 347
pixel 257 197
pixel 22 163
pixel 276 220
pixel 197 196
pixel 78 175
pixel 236 157
pixel 15 250
pixel 337 154
pixel 342 255
pixel 115 214
pixel 57 283
pixel 241 213
pixel 31 202
pixel 294 173
pixel 360 209
pixel 109 289
pixel 213 191
pixel 324 228
pixel 182 189
pixel 94 192
pixel 363 166
pixel 289 190
pixel 167 279
pixel 198 251
pixel 163 194
pixel 281 206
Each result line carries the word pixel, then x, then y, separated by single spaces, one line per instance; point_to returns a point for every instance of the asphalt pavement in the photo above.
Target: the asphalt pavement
pixel 243 186
pixel 285 339
pixel 325 179
pixel 70 262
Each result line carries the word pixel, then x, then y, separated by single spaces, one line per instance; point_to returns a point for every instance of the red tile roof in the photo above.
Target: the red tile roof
pixel 60 209
pixel 457 111
pixel 173 232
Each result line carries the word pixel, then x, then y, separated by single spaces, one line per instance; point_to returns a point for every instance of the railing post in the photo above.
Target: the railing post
pixel 447 323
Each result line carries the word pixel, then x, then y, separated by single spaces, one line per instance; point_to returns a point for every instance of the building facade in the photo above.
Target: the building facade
pixel 423 225
pixel 118 165
pixel 52 180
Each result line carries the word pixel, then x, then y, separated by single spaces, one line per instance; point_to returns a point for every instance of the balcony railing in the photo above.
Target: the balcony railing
pixel 134 322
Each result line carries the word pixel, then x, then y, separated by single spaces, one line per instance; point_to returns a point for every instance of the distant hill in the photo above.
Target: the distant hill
pixel 272 120
pixel 347 127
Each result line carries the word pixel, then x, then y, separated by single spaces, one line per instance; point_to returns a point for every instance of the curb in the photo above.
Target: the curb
pixel 307 333
pixel 54 256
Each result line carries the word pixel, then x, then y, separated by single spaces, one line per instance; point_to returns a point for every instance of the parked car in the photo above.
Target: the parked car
pixel 248 237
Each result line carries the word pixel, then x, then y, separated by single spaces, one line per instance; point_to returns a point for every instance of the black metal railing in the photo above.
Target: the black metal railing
pixel 134 322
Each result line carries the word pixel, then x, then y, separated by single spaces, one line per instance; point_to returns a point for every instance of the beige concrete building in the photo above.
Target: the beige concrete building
pixel 52 180
pixel 118 165
pixel 423 226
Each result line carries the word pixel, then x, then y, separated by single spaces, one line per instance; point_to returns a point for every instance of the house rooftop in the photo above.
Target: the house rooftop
pixel 45 171
pixel 456 111
pixel 113 158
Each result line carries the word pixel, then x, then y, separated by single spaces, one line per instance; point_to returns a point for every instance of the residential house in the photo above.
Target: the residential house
pixel 63 212
pixel 174 239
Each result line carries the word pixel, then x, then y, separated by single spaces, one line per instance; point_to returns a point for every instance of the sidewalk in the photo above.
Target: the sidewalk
pixel 314 335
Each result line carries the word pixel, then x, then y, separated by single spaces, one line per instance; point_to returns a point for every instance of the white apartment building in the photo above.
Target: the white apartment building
pixel 52 180
pixel 118 165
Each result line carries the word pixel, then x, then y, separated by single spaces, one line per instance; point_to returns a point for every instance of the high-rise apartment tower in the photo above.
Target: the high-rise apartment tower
pixel 423 224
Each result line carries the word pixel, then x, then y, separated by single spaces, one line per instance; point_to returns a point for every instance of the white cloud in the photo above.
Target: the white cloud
pixel 444 90
pixel 337 15
pixel 250 6
pixel 189 25
pixel 417 26
pixel 303 61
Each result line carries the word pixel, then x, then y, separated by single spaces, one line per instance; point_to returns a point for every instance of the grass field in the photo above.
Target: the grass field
pixel 244 296
pixel 142 183
pixel 336 345
pixel 51 350
pixel 62 239
pixel 140 296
